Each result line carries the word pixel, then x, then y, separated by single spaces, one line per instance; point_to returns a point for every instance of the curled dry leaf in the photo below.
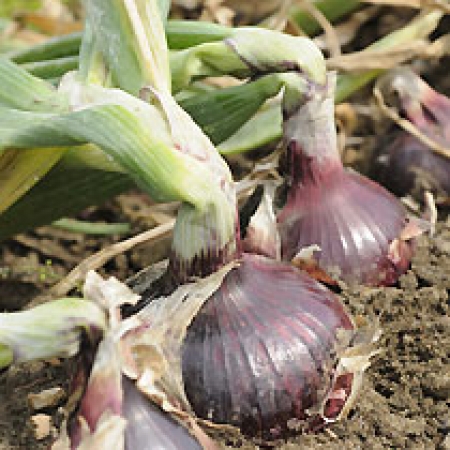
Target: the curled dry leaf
pixel 331 37
pixel 349 29
pixel 383 59
pixel 379 58
pixel 306 261
pixel 217 11
pixel 156 340
pixel 109 433
pixel 430 213
pixel 110 294
pixel 262 232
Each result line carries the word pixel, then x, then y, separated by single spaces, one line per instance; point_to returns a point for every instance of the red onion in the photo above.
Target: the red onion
pixel 112 411
pixel 356 223
pixel 148 428
pixel 264 349
pixel 407 165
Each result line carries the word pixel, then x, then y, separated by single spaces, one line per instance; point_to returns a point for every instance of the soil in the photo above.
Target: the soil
pixel 404 402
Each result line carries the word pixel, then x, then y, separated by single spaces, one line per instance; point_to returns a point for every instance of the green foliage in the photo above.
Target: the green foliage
pixel 10 7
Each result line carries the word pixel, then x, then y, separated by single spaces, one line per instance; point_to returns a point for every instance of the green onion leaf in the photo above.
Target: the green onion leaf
pixel 54 329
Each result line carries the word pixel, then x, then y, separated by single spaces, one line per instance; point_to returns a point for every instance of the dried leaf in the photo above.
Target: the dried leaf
pixel 262 232
pixel 51 25
pixel 417 4
pixel 408 126
pixel 110 294
pixel 42 423
pixel 347 30
pixel 216 11
pixel 109 433
pixel 379 58
pixel 406 3
pixel 97 260
pixel 430 213
pixel 47 247
pixel 331 36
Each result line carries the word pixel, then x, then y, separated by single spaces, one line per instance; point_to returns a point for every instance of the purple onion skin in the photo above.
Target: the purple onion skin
pixel 351 218
pixel 261 350
pixel 406 159
pixel 148 428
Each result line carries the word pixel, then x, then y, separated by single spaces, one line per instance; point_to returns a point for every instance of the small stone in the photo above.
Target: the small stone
pixel 41 424
pixel 47 398
pixel 443 245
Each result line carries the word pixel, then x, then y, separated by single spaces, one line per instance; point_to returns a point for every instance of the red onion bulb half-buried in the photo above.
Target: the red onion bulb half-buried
pixel 257 344
pixel 406 164
pixel 355 229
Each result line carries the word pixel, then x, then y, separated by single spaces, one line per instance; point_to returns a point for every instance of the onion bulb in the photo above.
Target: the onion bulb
pixel 145 426
pixel 148 428
pixel 407 165
pixel 112 412
pixel 354 225
pixel 264 351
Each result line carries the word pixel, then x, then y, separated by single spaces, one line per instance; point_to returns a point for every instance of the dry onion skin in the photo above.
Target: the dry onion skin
pixel 109 409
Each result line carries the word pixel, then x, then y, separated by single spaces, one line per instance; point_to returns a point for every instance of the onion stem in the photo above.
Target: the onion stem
pixel 28 335
pixel 333 10
pixel 52 68
pixel 56 47
pixel 82 226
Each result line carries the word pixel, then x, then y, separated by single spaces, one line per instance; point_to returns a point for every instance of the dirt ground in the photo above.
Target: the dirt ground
pixel 404 403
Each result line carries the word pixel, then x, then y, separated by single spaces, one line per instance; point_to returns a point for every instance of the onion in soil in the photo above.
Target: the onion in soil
pixel 265 349
pixel 406 165
pixel 356 225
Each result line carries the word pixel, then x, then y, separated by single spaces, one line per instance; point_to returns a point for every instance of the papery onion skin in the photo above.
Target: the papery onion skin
pixel 351 218
pixel 261 351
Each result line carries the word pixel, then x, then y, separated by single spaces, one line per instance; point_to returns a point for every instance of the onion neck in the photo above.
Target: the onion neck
pixel 310 135
pixel 204 240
